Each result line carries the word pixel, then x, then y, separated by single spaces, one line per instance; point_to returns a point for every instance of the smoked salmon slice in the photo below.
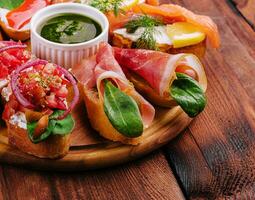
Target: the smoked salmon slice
pixel 168 13
pixel 172 12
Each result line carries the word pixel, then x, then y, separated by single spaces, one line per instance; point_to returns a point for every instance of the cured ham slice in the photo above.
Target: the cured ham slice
pixel 157 68
pixel 98 68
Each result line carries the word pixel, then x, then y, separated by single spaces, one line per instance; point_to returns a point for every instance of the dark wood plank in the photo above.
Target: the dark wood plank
pixel 148 178
pixel 215 156
pixel 247 9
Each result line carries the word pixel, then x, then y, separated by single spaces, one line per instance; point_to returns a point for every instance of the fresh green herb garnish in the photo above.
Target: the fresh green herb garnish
pixel 10 4
pixel 107 5
pixel 188 94
pixel 55 127
pixel 142 21
pixel 147 40
pixel 122 111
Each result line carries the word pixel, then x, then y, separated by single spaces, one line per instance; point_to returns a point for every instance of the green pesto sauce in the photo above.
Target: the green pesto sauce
pixel 70 29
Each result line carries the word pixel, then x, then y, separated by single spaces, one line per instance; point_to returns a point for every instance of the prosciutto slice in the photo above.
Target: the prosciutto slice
pixel 158 68
pixel 104 66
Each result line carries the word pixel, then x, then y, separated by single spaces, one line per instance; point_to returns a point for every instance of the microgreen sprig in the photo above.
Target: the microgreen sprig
pixel 107 5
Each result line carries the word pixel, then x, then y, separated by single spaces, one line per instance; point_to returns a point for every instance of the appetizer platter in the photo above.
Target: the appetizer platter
pixel 88 84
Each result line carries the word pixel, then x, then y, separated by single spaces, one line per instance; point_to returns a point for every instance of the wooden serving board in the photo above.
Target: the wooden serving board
pixel 88 150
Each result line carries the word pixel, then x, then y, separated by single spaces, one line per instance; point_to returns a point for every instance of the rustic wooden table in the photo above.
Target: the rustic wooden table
pixel 213 159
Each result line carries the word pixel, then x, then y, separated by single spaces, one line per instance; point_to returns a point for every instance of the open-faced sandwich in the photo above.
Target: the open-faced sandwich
pixel 114 107
pixel 12 55
pixel 37 112
pixel 166 80
pixel 169 28
pixel 15 16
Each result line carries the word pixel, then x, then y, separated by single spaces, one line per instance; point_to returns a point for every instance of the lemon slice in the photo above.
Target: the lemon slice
pixel 128 4
pixel 184 34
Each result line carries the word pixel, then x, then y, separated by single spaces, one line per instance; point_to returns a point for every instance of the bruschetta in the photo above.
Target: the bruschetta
pixel 37 112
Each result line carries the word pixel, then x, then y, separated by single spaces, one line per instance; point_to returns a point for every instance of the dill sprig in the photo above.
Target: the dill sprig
pixel 107 5
pixel 142 21
pixel 147 40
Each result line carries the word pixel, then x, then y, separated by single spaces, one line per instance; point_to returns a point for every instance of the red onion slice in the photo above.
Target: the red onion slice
pixel 14 82
pixel 24 102
pixel 16 46
pixel 72 80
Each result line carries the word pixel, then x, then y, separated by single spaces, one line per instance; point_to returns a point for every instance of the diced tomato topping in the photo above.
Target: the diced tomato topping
pixel 11 59
pixel 44 86
pixel 3 71
pixel 10 107
pixel 62 92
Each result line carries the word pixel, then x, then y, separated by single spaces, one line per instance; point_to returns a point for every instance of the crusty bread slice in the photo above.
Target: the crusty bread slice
pixel 197 49
pixel 53 147
pixel 148 92
pixel 99 120
pixel 15 34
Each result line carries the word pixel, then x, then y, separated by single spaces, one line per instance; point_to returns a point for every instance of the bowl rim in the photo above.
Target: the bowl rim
pixel 34 24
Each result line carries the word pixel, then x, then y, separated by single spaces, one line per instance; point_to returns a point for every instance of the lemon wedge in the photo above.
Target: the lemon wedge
pixel 184 34
pixel 128 4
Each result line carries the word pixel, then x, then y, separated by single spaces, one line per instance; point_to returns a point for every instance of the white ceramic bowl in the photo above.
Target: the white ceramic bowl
pixel 66 55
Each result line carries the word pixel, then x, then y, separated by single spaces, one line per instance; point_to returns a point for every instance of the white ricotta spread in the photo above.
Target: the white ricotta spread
pixel 160 34
pixel 19 119
pixel 3 83
pixel 6 93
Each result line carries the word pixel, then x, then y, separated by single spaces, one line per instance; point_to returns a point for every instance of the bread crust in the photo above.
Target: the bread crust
pixel 53 147
pixel 15 34
pixel 197 49
pixel 99 120
pixel 148 92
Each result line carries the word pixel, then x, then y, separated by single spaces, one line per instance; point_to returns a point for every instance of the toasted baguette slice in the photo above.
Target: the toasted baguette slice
pixel 99 120
pixel 197 49
pixel 148 92
pixel 15 34
pixel 53 147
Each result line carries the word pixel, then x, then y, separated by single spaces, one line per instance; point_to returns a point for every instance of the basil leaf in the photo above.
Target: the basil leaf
pixel 64 126
pixel 10 4
pixel 31 128
pixel 122 111
pixel 188 94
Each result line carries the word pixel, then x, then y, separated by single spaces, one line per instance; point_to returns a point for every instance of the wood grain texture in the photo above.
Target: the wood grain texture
pixel 214 158
pixel 101 153
pixel 148 178
pixel 247 9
